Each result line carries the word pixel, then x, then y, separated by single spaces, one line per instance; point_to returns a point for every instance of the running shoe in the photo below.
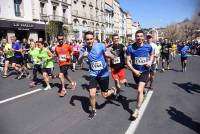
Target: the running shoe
pixel 73 85
pixel 5 76
pixel 62 92
pixel 163 70
pixel 47 88
pixel 114 91
pixel 135 114
pixel 92 115
pixel 20 75
pixel 32 84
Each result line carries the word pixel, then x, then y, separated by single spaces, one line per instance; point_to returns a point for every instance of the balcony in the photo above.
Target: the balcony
pixel 83 2
pixel 46 18
pixel 75 12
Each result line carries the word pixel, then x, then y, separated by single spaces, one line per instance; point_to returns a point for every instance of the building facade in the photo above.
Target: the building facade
pixel 28 18
pixel 88 15
pixel 109 18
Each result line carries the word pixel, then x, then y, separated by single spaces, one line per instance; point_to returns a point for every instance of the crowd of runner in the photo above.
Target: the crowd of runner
pixel 142 57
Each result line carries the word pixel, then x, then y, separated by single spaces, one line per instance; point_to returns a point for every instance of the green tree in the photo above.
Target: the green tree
pixel 53 29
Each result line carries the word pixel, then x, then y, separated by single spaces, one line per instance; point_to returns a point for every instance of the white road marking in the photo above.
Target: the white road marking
pixel 19 96
pixel 134 124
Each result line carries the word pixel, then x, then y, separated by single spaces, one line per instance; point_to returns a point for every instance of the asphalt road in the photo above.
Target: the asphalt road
pixel 174 106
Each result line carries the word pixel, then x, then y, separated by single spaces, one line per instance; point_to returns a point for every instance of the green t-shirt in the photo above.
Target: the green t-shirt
pixel 9 53
pixel 34 55
pixel 43 56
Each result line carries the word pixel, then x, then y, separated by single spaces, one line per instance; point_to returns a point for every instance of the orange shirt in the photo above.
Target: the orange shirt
pixel 63 53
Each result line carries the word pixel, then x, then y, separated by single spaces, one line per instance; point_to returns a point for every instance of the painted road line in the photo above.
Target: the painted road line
pixel 19 96
pixel 134 124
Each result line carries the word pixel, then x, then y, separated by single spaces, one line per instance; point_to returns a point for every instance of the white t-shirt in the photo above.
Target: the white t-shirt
pixel 155 51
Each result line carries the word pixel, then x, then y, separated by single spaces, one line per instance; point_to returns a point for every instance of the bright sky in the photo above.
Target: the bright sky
pixel 159 13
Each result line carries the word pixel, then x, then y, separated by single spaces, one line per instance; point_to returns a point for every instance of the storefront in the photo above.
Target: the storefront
pixel 21 30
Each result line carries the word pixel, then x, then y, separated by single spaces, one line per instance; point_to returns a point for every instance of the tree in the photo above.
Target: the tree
pixel 53 29
pixel 172 32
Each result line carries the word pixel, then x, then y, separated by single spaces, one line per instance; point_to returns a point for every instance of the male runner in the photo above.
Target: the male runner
pixel 184 49
pixel 139 60
pixel 63 52
pixel 165 52
pixel 8 57
pixel 98 69
pixel 18 57
pixel 118 63
pixel 154 63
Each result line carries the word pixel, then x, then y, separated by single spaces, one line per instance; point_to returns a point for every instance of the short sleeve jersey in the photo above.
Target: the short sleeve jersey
pixel 17 46
pixel 96 60
pixel 119 61
pixel 63 52
pixel 184 50
pixel 140 56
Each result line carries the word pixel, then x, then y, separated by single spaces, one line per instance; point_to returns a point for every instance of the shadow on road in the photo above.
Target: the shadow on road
pixel 86 77
pixel 175 70
pixel 85 102
pixel 189 87
pixel 58 85
pixel 183 119
pixel 125 103
pixel 134 86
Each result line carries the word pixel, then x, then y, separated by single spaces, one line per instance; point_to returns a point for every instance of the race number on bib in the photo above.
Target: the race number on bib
pixel 116 60
pixel 97 65
pixel 141 60
pixel 62 57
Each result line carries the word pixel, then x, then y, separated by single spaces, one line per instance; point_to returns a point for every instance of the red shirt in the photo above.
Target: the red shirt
pixel 63 52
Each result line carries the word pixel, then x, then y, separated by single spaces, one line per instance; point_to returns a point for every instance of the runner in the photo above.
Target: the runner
pixel 63 51
pixel 118 63
pixel 9 55
pixel 98 69
pixel 37 67
pixel 139 60
pixel 18 57
pixel 159 53
pixel 76 52
pixel 154 63
pixel 46 58
pixel 174 49
pixel 165 54
pixel 184 49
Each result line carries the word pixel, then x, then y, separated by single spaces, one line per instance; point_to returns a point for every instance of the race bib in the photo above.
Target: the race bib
pixel 141 60
pixel 62 57
pixel 97 65
pixel 116 60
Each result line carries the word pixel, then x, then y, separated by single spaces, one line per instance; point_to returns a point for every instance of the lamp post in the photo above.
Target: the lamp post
pixel 45 19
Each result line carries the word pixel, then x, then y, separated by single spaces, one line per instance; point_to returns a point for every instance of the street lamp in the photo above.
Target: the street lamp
pixel 45 19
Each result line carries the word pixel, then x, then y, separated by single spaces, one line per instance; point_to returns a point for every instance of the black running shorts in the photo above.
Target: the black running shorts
pixel 102 81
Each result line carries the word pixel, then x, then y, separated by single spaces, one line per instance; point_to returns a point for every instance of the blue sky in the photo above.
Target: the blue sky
pixel 159 13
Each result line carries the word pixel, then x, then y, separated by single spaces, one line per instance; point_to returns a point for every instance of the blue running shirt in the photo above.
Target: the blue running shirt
pixel 17 46
pixel 184 50
pixel 139 56
pixel 96 60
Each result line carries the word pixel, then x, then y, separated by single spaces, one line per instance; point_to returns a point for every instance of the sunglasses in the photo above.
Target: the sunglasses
pixel 89 39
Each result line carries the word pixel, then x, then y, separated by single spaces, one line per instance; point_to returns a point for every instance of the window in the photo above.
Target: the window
pixel 42 8
pixel 17 4
pixel 64 12
pixel 54 10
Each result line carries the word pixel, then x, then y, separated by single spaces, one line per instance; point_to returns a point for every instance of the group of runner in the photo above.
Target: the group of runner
pixel 140 57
